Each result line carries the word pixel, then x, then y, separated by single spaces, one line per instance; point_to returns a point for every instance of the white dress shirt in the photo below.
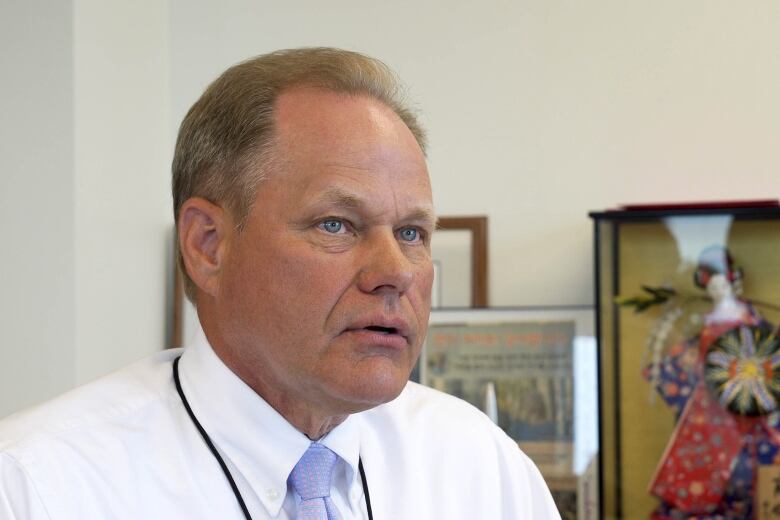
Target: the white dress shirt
pixel 123 447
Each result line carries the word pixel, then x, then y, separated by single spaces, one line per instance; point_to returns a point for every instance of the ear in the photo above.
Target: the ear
pixel 204 231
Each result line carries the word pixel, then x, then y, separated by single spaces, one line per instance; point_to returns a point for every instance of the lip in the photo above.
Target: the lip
pixel 370 338
pixel 398 339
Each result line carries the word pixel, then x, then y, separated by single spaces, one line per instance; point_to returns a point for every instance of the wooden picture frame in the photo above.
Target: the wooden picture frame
pixel 477 227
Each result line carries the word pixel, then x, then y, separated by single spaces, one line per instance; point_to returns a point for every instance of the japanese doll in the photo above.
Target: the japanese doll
pixel 723 384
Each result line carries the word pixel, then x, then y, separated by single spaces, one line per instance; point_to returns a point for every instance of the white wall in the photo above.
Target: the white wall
pixel 122 163
pixel 84 204
pixel 37 254
pixel 539 111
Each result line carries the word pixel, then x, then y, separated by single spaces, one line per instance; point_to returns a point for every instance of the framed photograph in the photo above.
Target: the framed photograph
pixel 459 249
pixel 533 372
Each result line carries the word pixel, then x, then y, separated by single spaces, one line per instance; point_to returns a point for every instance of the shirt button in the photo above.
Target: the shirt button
pixel 272 494
pixel 355 494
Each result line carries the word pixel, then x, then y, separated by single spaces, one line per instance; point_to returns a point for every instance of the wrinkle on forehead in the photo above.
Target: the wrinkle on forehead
pixel 340 197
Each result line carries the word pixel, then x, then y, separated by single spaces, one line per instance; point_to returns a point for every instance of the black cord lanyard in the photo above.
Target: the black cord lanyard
pixel 224 467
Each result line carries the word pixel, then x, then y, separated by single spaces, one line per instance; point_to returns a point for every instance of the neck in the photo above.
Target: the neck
pixel 308 417
pixel 315 420
pixel 728 300
pixel 315 432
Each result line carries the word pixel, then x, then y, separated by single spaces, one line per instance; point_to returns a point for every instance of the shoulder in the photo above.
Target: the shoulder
pixel 424 405
pixel 440 438
pixel 101 404
pixel 440 422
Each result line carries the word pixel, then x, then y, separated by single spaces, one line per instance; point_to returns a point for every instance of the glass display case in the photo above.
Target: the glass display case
pixel 688 303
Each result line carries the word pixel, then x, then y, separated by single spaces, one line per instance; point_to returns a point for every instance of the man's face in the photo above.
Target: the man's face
pixel 325 293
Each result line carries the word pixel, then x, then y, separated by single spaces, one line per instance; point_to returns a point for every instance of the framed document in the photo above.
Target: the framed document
pixel 533 372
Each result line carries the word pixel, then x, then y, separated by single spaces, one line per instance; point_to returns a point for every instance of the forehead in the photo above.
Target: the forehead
pixel 325 139
pixel 340 122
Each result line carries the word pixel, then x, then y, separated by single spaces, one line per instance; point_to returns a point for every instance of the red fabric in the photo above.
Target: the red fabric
pixel 697 463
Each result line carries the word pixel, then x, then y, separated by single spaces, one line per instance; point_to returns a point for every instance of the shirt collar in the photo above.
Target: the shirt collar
pixel 256 439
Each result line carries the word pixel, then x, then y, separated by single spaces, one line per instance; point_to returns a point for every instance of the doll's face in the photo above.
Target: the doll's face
pixel 719 288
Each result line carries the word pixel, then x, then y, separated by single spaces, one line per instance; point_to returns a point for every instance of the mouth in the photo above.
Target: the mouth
pixel 382 330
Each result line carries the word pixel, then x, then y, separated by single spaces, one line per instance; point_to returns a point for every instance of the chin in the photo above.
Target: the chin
pixel 369 390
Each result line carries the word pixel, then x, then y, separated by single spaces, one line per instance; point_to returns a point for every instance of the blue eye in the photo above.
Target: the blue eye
pixel 409 234
pixel 332 226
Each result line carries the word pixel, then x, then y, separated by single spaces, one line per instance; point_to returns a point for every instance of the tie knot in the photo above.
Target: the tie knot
pixel 311 476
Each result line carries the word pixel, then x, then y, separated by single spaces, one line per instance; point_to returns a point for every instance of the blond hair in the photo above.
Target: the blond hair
pixel 225 143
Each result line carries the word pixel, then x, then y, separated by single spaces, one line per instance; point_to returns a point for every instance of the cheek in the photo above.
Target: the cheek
pixel 317 276
pixel 419 296
pixel 300 282
pixel 424 281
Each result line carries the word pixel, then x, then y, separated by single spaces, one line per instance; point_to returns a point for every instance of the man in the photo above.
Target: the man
pixel 304 214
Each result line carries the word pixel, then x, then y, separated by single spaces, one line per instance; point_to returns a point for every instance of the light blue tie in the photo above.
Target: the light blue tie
pixel 311 478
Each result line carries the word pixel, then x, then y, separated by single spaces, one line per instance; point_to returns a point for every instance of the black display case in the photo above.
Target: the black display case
pixel 688 301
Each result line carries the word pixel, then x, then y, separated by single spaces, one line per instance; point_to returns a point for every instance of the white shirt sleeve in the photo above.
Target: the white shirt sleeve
pixel 19 499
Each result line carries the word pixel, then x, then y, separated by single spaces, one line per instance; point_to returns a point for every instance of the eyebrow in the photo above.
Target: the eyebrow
pixel 339 197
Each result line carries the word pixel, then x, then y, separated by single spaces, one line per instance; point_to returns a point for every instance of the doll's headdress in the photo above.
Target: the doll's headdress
pixel 714 260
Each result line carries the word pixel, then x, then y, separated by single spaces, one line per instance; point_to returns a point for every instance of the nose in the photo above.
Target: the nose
pixel 386 268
